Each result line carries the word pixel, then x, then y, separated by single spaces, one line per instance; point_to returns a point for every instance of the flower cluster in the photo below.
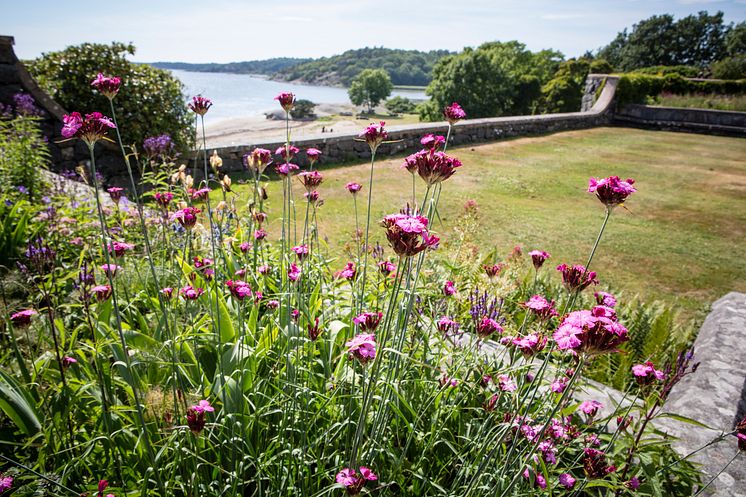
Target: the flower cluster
pixel 200 105
pixel 374 135
pixel 433 167
pixel 362 348
pixel 454 113
pixel 593 332
pixel 158 146
pixel 577 277
pixel 611 191
pixel 90 129
pixel 107 86
pixel 354 482
pixel 196 416
pixel 408 234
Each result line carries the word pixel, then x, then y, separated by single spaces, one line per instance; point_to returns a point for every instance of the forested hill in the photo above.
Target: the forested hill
pixel 406 67
pixel 268 66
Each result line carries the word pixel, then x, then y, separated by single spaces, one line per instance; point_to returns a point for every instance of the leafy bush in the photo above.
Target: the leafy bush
pixel 23 154
pixel 150 102
pixel 564 92
pixel 601 66
pixel 636 88
pixel 400 105
pixel 730 68
pixel 303 109
pixel 370 87
pixel 685 71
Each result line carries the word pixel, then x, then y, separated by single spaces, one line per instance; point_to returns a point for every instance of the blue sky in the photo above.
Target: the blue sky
pixel 231 30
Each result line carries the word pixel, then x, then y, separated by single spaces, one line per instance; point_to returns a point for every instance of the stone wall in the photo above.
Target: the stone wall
pixel 715 122
pixel 14 78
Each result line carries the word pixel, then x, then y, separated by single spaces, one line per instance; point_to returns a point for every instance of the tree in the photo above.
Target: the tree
pixel 150 102
pixel 370 87
pixel 730 68
pixel 564 92
pixel 735 40
pixel 498 78
pixel 303 109
pixel 696 40
pixel 400 105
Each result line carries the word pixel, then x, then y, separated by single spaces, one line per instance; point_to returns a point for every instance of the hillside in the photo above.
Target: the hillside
pixel 406 67
pixel 268 66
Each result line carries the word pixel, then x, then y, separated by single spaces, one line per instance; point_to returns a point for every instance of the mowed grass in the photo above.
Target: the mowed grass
pixel 681 239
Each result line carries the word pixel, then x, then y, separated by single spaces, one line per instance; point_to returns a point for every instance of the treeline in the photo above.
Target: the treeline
pixel 405 67
pixel 267 66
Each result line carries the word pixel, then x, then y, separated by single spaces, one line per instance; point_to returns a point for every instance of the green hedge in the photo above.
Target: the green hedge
pixel 636 88
pixel 686 71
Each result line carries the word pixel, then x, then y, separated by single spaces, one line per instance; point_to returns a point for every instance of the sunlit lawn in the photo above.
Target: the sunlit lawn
pixel 681 240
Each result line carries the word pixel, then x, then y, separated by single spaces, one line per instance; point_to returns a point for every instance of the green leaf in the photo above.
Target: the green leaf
pixel 18 405
pixel 684 419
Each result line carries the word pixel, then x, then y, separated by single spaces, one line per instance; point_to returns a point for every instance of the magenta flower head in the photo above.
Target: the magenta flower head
pixel 294 272
pixel 287 100
pixel 590 332
pixel 531 344
pixel 167 292
pixel 286 169
pixel 595 464
pixel 362 348
pixel 741 434
pixel 540 306
pixel 538 257
pixel 90 129
pixel 433 168
pixel 566 480
pixel 432 142
pixel 313 154
pixel 408 234
pixel 314 198
pixel 200 105
pixel 611 191
pixel 311 179
pixel 118 249
pixel 199 195
pixel 449 288
pixel 102 292
pixel 492 270
pixel 301 251
pixel 454 113
pixel 190 293
pixel 115 193
pixel 447 325
pixel 107 86
pixel 605 299
pixel 577 278
pixel 102 485
pixel 187 217
pixel 354 482
pixel 374 135
pixel 487 327
pixel 287 153
pixel 368 321
pixel 6 483
pixel 196 416
pixel 645 374
pixel 258 160
pixel 239 289
pixel 353 187
pixel 348 273
pixel 110 269
pixel 386 267
pixel 68 361
pixel 163 198
pixel 590 407
pixel 22 318
pixel 260 234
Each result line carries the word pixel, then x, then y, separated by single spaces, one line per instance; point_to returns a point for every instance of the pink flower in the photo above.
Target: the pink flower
pixel 633 483
pixel 203 406
pixel 368 321
pixel 408 234
pixel 433 167
pixel 287 100
pixel 115 193
pixel 447 325
pixel 118 249
pixel 590 407
pixel 273 304
pixel 258 160
pixel 287 153
pixel 353 187
pixel 259 217
pixel 454 113
pixel 595 464
pixel 90 129
pixel 102 485
pixel 22 318
pixel 313 154
pixel 538 257
pixel 530 344
pixel 244 247
pixel 110 269
pixel 200 195
pixel 200 105
pixel 348 273
pixel 294 272
pixel 187 217
pixel 167 292
pixel 102 292
pixel 362 348
pixel 611 191
pixel 488 326
pixel 260 234
pixel 577 278
pixel 492 270
pixel 590 332
pixel 239 289
pixel 646 373
pixel 311 179
pixel 263 269
pixel 196 416
pixel 432 142
pixel 353 482
pixel 68 361
pixel 606 299
pixel 313 198
pixel 386 267
pixel 106 86
pixel 190 293
pixel 506 383
pixel 301 251
pixel 163 198
pixel 541 307
pixel 566 480
pixel 286 169
pixel 558 385
pixel 6 483
pixel 539 480
pixel 449 288
pixel 374 135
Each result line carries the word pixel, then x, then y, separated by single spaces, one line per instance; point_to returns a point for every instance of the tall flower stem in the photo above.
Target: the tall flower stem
pixel 131 375
pixel 367 229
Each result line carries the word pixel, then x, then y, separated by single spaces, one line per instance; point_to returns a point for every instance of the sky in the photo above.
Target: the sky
pixel 231 30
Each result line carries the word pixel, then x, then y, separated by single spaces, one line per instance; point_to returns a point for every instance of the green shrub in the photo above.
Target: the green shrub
pixel 400 105
pixel 636 88
pixel 564 92
pixel 303 109
pixel 730 68
pixel 601 66
pixel 151 101
pixel 685 71
pixel 23 154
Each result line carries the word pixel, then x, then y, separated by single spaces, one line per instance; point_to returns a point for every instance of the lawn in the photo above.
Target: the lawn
pixel 680 241
pixel 702 101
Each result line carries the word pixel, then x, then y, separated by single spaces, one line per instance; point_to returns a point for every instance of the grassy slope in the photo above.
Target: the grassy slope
pixel 680 241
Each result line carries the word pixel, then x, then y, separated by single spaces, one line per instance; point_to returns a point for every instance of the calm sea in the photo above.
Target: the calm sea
pixel 242 95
